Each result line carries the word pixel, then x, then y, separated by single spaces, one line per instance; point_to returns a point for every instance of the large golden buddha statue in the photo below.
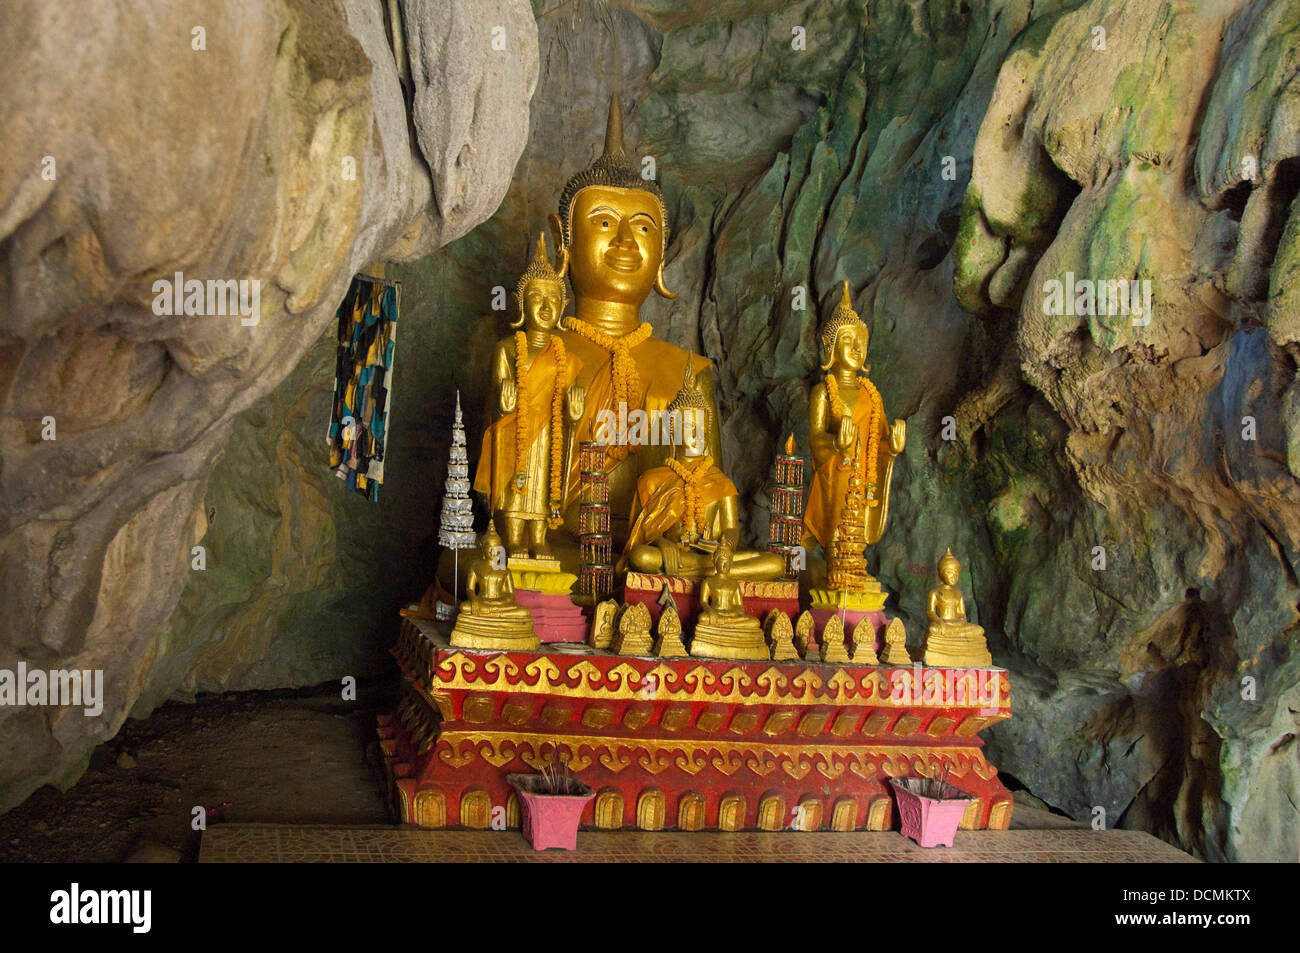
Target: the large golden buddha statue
pixel 521 465
pixel 848 432
pixel 612 231
pixel 686 509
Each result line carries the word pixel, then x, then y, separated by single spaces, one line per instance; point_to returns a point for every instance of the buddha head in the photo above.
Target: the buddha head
pixel 489 545
pixel 612 226
pixel 845 337
pixel 689 417
pixel 540 293
pixel 949 568
pixel 722 557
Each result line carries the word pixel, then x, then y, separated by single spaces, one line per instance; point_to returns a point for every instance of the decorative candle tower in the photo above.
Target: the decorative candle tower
pixel 596 572
pixel 786 494
pixel 456 529
pixel 848 568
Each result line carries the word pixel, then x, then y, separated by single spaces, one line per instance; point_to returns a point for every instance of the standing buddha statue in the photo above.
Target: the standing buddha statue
pixel 521 465
pixel 612 231
pixel 853 444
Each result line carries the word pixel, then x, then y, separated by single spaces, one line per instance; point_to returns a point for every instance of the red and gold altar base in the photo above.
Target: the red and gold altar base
pixel 683 743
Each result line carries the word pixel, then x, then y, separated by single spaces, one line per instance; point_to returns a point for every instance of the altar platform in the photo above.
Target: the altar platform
pixel 688 743
pixel 284 843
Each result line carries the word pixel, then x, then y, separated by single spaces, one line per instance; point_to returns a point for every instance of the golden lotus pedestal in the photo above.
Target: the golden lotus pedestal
pixel 683 743
pixel 737 641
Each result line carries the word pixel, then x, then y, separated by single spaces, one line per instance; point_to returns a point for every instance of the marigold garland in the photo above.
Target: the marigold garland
pixel 557 416
pixel 866 464
pixel 691 477
pixel 627 381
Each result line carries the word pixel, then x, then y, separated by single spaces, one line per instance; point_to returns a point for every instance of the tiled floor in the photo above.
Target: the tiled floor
pixel 309 844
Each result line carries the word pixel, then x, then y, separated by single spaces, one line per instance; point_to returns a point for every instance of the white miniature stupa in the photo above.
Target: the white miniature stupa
pixel 456 528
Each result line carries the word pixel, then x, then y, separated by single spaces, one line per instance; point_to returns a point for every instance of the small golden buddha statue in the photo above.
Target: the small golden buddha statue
pixel 896 644
pixel 848 432
pixel 833 649
pixel 612 233
pixel 864 642
pixel 686 508
pixel 633 636
pixel 805 629
pixel 951 640
pixel 490 618
pixel 780 636
pixel 668 634
pixel 601 633
pixel 722 629
pixel 522 466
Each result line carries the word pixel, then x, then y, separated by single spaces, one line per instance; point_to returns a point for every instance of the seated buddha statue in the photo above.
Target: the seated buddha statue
pixel 686 509
pixel 521 465
pixel 612 232
pixel 490 618
pixel 722 629
pixel 848 432
pixel 951 640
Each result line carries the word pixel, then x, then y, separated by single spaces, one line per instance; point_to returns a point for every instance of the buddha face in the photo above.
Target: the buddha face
pixel 722 561
pixel 850 349
pixel 948 571
pixel 542 303
pixel 695 434
pixel 617 243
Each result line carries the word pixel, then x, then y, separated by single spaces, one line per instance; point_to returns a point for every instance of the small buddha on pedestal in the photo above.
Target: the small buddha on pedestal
pixel 490 618
pixel 952 641
pixel 723 630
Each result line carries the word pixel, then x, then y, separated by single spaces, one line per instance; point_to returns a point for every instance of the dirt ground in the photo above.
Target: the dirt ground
pixel 282 757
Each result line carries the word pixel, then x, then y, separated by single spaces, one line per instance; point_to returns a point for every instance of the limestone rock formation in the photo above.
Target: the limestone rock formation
pixel 268 142
pixel 949 158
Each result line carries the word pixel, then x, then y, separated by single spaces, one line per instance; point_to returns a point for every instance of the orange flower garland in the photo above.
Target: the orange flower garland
pixel 627 381
pixel 691 477
pixel 557 417
pixel 867 468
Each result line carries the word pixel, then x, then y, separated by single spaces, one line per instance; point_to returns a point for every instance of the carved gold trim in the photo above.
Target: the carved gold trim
pixel 690 811
pixel 820 685
pixel 844 817
pixel 609 810
pixel 693 755
pixel 731 813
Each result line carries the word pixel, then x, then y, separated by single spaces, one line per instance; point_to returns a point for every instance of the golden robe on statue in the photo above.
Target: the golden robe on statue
pixel 498 465
pixel 659 368
pixel 659 509
pixel 830 481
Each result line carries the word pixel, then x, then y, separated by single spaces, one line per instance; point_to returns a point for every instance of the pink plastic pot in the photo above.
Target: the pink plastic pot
pixel 928 821
pixel 549 820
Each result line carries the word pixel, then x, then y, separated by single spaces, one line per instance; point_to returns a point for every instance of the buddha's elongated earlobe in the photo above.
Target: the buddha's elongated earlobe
pixel 660 286
pixel 561 246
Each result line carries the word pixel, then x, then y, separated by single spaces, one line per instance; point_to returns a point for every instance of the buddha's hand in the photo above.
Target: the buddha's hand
pixel 575 402
pixel 509 396
pixel 897 437
pixel 846 435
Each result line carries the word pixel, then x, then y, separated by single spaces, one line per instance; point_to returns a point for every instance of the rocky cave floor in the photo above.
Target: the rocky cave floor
pixel 288 757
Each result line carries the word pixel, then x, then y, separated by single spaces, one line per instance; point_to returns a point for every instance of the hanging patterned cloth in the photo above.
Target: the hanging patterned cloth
pixel 363 373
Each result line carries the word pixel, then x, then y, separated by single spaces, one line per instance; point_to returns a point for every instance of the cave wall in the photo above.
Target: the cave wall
pixel 289 142
pixel 1162 688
